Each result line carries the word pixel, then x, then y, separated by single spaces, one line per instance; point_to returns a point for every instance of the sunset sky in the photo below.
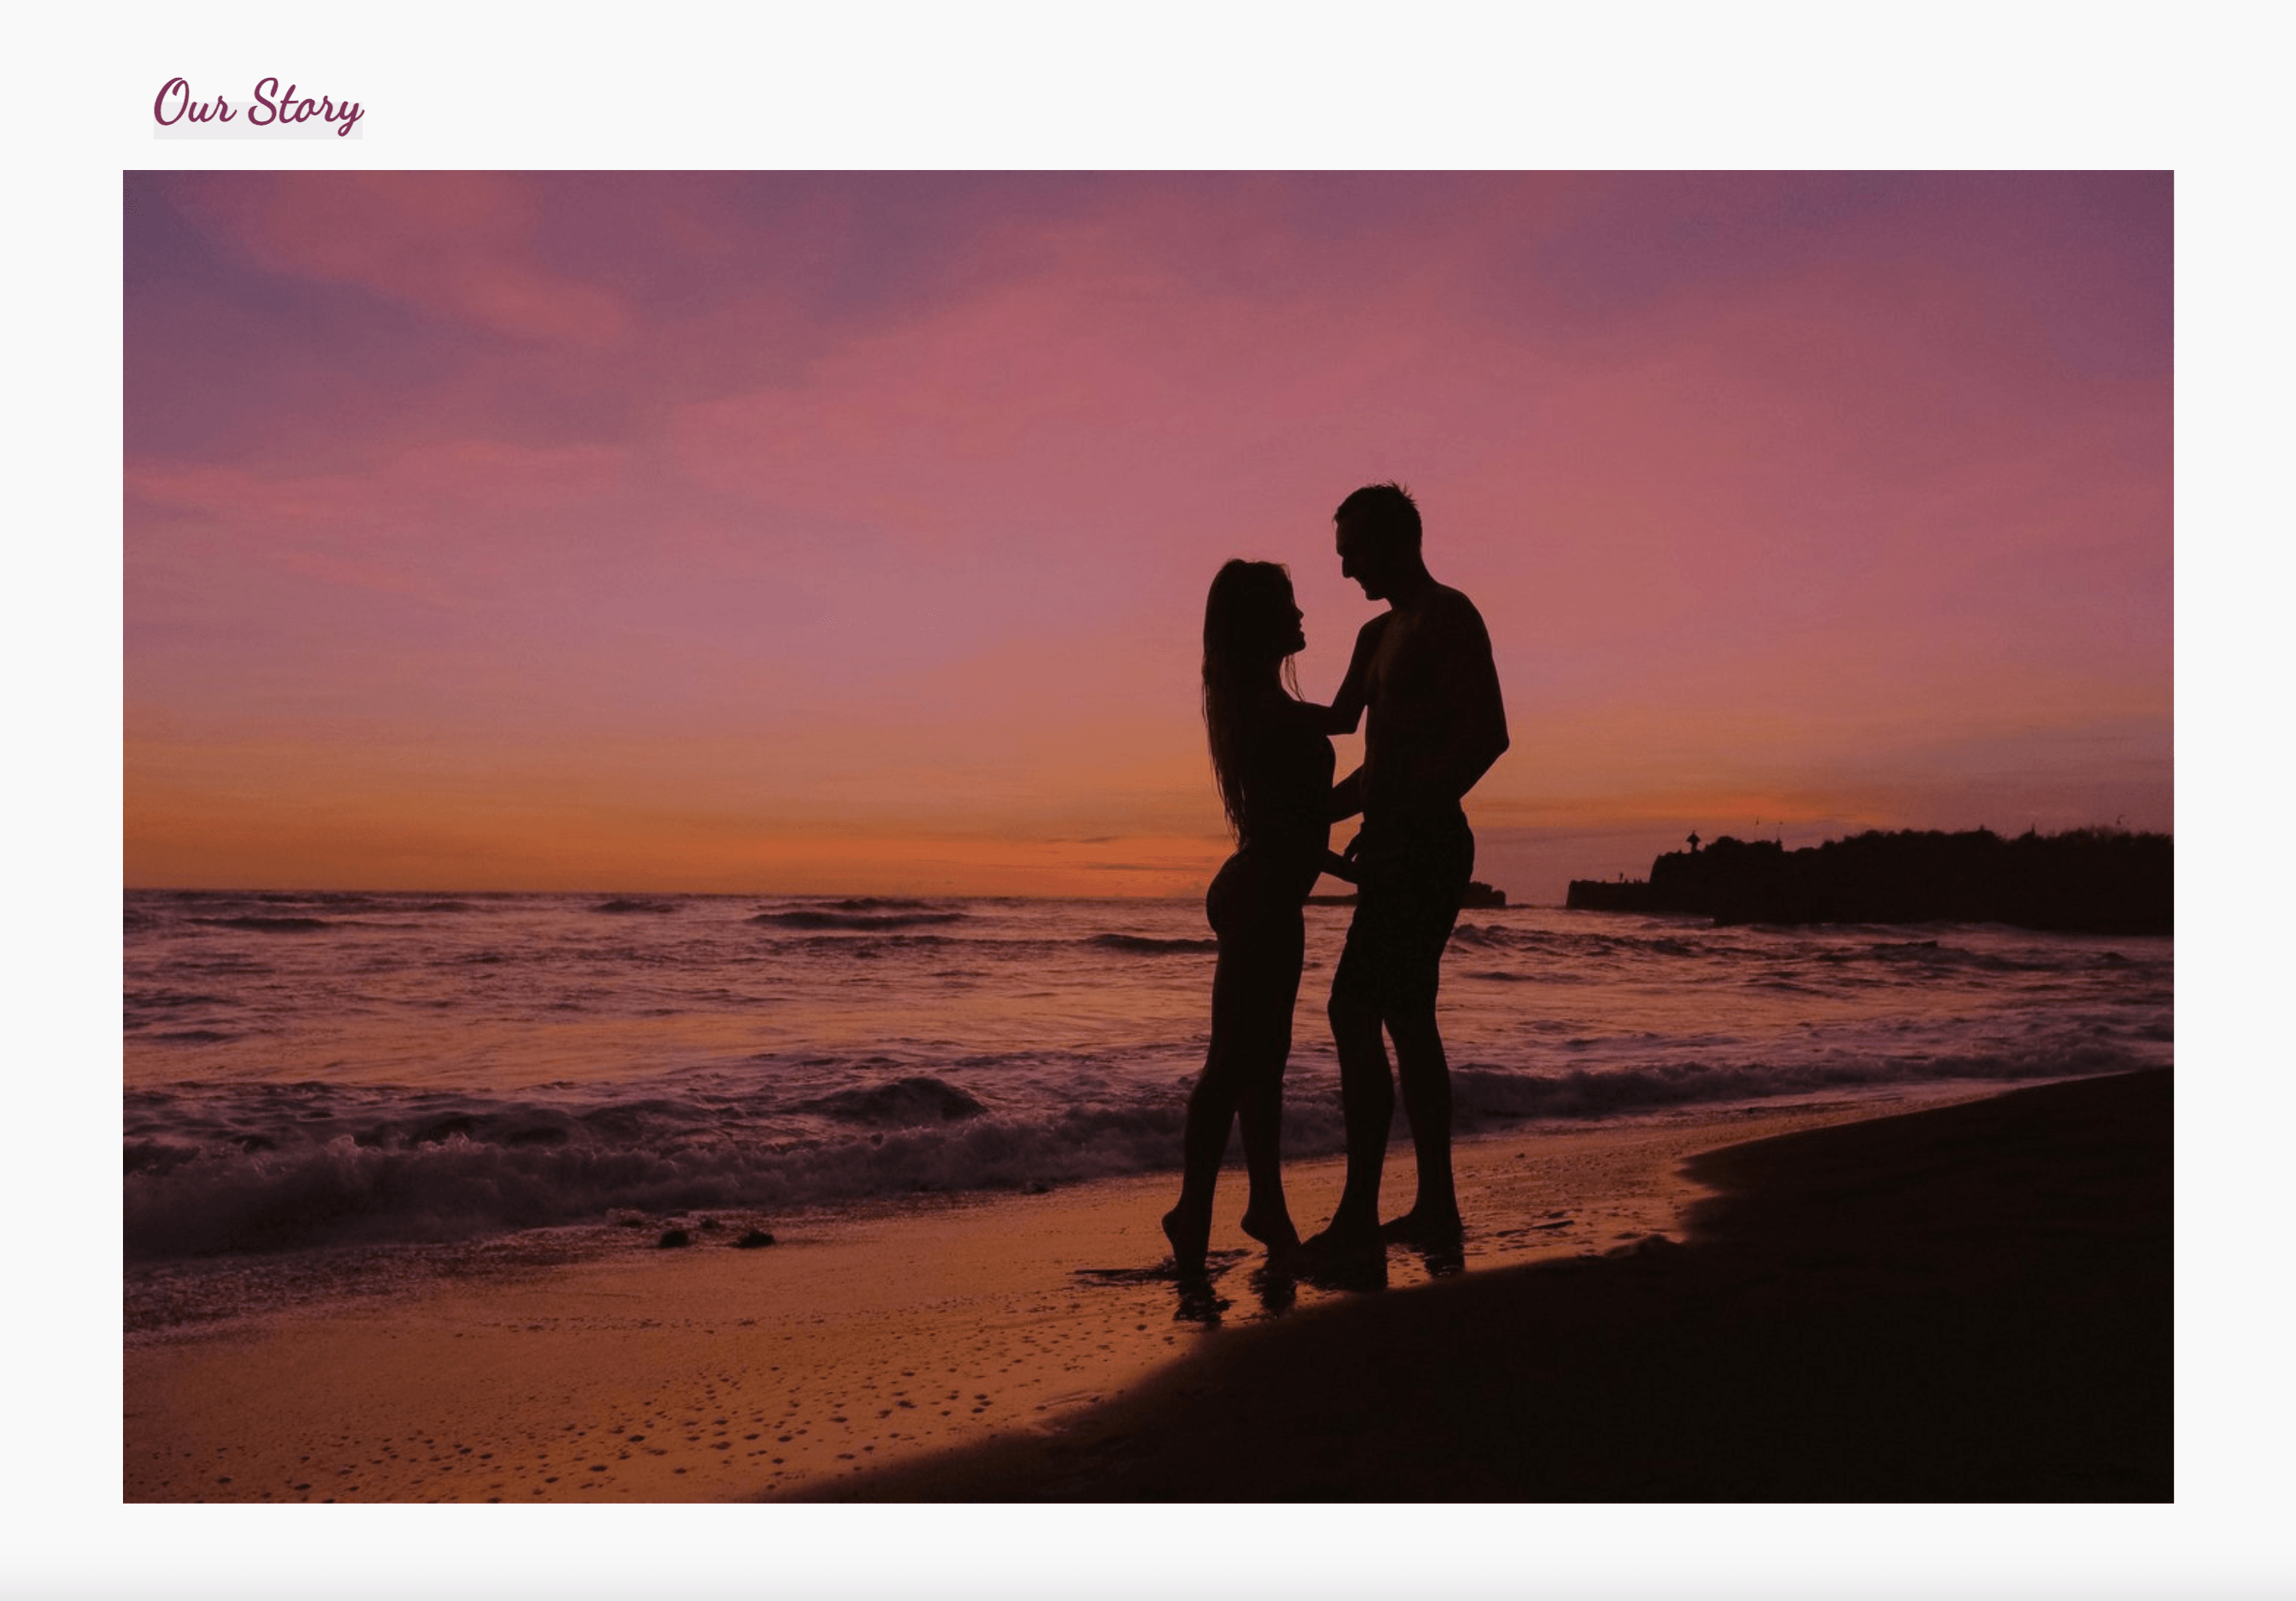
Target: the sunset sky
pixel 849 533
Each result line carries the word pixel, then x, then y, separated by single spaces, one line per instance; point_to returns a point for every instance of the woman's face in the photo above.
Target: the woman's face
pixel 1284 621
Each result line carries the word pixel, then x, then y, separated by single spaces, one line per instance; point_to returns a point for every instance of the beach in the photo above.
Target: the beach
pixel 1967 1303
pixel 1703 1317
pixel 399 1168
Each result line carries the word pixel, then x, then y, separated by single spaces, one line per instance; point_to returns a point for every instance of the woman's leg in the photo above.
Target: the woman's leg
pixel 1211 1105
pixel 1204 1138
pixel 1267 1218
pixel 1253 989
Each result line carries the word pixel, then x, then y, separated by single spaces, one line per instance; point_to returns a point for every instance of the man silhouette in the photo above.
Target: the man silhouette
pixel 1423 668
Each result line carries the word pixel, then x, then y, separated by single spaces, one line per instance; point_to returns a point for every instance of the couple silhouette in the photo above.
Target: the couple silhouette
pixel 1421 670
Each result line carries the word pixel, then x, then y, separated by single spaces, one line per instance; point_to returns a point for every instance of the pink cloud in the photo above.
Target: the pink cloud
pixel 453 244
pixel 696 497
pixel 407 496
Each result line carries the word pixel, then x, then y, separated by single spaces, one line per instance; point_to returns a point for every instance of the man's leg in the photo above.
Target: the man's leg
pixel 1367 1104
pixel 1419 1061
pixel 1419 1058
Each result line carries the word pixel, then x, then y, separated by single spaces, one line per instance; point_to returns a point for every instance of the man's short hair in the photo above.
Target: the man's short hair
pixel 1386 511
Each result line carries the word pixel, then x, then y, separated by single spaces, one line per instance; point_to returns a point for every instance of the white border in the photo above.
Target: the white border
pixel 1195 85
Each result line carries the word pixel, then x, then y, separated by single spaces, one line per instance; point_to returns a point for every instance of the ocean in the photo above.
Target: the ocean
pixel 323 1089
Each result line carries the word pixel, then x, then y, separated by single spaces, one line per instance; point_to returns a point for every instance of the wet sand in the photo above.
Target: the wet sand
pixel 1968 1304
pixel 853 1342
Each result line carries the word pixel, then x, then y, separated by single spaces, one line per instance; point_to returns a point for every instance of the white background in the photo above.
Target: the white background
pixel 1195 85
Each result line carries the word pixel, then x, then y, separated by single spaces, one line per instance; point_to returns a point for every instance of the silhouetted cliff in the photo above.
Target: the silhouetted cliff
pixel 2089 880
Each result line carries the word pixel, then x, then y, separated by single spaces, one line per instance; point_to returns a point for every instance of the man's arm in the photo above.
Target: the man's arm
pixel 1477 737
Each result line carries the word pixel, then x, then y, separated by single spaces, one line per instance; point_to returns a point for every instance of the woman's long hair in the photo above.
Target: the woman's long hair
pixel 1247 624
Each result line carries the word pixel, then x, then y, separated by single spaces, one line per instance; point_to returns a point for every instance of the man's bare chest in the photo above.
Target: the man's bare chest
pixel 1407 666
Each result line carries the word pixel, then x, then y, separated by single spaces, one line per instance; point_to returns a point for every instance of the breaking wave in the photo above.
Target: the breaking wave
pixel 1483 1098
pixel 181 1202
pixel 905 1103
pixel 290 1169
pixel 1147 945
pixel 269 926
pixel 858 921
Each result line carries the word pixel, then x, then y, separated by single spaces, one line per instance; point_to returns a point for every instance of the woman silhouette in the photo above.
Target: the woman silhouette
pixel 1273 766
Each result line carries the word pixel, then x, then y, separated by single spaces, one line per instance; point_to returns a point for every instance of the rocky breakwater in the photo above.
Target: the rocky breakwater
pixel 2085 881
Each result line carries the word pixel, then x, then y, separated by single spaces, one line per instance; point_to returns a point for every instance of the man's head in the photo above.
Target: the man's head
pixel 1378 529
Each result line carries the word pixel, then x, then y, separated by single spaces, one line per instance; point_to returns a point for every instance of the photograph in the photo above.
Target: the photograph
pixel 1338 836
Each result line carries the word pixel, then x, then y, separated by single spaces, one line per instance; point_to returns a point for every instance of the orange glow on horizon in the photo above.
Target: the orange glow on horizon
pixel 857 542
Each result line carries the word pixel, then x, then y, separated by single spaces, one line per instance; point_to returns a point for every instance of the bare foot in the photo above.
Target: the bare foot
pixel 1345 1236
pixel 1348 1255
pixel 1426 1226
pixel 1277 1234
pixel 1188 1245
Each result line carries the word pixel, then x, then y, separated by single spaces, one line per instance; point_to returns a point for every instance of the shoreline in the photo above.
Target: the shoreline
pixel 1966 1303
pixel 857 1340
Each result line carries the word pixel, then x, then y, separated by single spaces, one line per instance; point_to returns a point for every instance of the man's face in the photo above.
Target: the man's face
pixel 1361 558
